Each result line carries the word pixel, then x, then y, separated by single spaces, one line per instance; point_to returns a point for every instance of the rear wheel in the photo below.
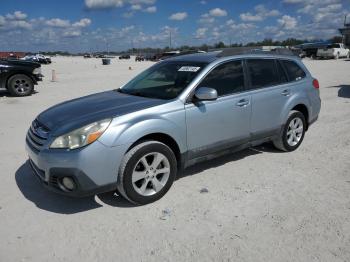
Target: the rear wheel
pixel 147 172
pixel 293 132
pixel 20 85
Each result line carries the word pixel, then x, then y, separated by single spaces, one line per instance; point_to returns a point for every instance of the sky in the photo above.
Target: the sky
pixel 96 25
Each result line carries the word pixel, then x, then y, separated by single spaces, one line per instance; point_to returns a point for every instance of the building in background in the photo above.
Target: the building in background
pixel 12 54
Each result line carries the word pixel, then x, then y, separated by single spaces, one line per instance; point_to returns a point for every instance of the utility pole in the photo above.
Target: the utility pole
pixel 345 20
pixel 170 38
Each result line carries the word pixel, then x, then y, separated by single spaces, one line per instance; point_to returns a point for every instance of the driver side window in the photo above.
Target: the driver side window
pixel 227 78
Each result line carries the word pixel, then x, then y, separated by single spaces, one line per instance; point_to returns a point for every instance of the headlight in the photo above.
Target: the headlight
pixel 37 71
pixel 82 136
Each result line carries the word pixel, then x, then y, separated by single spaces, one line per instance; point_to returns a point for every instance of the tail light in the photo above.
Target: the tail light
pixel 316 84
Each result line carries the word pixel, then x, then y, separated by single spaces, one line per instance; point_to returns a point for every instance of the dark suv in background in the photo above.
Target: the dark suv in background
pixel 19 77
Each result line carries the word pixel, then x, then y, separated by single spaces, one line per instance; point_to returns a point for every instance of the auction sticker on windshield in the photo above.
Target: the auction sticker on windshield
pixel 189 69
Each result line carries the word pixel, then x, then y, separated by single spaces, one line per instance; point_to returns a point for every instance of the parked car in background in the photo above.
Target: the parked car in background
pixel 88 56
pixel 100 56
pixel 139 58
pixel 124 57
pixel 178 112
pixel 38 58
pixel 335 51
pixel 19 77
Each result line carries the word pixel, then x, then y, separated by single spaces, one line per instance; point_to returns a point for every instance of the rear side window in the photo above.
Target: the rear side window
pixel 227 78
pixel 294 71
pixel 263 73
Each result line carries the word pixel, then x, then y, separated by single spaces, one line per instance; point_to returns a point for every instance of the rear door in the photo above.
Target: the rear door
pixel 216 125
pixel 270 91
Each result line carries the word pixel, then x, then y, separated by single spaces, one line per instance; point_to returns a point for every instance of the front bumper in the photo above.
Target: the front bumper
pixel 94 169
pixel 38 77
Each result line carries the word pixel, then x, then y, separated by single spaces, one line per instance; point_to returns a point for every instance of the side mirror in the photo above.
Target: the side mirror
pixel 206 94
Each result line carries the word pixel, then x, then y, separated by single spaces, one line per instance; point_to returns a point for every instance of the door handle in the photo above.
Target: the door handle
pixel 243 102
pixel 286 92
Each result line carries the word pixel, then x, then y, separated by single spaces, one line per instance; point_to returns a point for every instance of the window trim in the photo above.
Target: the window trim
pixel 189 98
pixel 279 62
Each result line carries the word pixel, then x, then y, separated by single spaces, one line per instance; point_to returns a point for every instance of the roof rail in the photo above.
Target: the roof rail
pixel 255 50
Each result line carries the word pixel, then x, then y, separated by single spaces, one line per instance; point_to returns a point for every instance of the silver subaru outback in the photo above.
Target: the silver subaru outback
pixel 135 139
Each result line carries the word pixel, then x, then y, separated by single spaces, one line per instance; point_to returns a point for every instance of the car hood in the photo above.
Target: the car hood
pixel 15 62
pixel 73 114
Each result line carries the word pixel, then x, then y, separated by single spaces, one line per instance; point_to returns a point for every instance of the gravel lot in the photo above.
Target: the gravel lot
pixel 260 204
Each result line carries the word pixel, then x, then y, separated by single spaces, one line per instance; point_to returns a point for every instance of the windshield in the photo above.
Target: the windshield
pixel 164 80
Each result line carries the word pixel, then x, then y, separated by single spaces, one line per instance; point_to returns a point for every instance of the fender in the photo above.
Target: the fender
pixel 296 99
pixel 130 128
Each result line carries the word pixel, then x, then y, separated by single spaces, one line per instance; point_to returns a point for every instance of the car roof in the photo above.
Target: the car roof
pixel 223 55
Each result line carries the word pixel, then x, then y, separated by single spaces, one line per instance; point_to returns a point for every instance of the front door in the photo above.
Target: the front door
pixel 216 125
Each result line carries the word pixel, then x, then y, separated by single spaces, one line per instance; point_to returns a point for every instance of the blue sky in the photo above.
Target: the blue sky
pixel 88 25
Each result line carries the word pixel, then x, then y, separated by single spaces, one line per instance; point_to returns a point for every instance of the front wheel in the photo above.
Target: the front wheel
pixel 20 85
pixel 147 172
pixel 293 132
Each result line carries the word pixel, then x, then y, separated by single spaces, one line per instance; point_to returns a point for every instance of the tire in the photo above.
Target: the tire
pixel 140 181
pixel 289 140
pixel 20 85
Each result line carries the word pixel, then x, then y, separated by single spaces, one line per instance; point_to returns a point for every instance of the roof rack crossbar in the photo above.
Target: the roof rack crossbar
pixel 255 50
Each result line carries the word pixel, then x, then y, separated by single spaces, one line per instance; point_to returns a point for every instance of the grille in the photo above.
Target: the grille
pixel 54 181
pixel 37 136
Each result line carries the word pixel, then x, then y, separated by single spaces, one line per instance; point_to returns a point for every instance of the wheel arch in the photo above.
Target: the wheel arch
pixel 299 103
pixel 302 108
pixel 165 139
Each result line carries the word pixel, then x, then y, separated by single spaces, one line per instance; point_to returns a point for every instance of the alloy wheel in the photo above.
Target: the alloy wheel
pixel 295 131
pixel 21 85
pixel 151 174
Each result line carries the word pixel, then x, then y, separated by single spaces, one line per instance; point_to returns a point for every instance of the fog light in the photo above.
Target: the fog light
pixel 68 183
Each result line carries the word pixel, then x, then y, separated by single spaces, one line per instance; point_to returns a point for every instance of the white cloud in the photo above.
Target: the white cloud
pixel 217 12
pixel 209 18
pixel 151 9
pixel 136 7
pixel 107 4
pixel 72 33
pixel 261 14
pixel 17 15
pixel 178 16
pixel 249 17
pixel 287 22
pixel 82 23
pixel 2 20
pixel 57 22
pixel 102 4
pixel 293 1
pixel 206 19
pixel 201 32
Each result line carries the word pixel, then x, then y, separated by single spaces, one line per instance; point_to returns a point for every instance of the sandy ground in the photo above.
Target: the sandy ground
pixel 261 205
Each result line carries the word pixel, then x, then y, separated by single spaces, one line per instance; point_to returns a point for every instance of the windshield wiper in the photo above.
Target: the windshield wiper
pixel 133 93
